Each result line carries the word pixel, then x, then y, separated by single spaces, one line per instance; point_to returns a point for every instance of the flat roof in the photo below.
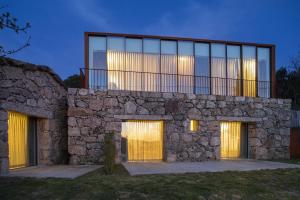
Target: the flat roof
pixel 177 38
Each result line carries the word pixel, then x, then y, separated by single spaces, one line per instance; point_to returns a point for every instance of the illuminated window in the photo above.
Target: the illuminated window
pixel 202 82
pixel 185 67
pixel 233 70
pixel 218 69
pixel 249 71
pixel 194 125
pixel 263 57
pixel 144 140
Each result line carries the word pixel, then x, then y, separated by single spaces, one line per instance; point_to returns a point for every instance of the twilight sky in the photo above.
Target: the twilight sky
pixel 58 25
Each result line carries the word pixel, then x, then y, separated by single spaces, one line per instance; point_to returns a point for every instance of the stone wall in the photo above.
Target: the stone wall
pixel 92 114
pixel 38 92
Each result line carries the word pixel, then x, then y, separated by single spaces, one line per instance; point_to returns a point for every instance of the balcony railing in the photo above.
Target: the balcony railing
pixel 101 79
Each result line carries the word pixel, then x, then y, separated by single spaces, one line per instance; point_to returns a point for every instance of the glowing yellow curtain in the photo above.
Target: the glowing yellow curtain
pixel 134 64
pixel 18 140
pixel 249 76
pixel 233 75
pixel 185 74
pixel 144 140
pixel 151 80
pixel 218 73
pixel 230 140
pixel 169 73
pixel 115 64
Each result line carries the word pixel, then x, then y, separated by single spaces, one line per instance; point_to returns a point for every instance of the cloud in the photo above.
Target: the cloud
pixel 91 12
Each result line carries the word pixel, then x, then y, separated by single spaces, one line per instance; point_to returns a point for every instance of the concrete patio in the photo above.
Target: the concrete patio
pixel 54 171
pixel 144 168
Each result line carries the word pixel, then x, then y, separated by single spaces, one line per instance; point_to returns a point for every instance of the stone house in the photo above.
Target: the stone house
pixel 164 99
pixel 177 99
pixel 33 116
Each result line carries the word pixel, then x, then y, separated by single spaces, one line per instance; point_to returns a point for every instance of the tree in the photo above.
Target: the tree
pixel 288 82
pixel 7 21
pixel 73 81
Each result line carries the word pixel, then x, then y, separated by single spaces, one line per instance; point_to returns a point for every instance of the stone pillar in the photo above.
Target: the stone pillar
pixel 44 141
pixel 3 142
pixel 252 140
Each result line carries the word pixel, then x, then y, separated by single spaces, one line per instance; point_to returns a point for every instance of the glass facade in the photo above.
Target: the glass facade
pixel 218 69
pixel 249 71
pixel 158 65
pixel 263 76
pixel 202 68
pixel 185 67
pixel 151 65
pixel 233 70
pixel 168 66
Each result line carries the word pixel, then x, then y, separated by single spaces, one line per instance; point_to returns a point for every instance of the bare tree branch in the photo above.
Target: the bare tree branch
pixel 5 53
pixel 7 21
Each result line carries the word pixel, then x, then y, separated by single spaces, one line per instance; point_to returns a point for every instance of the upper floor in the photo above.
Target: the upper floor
pixel 184 65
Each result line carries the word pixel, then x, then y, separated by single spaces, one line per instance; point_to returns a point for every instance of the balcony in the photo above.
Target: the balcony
pixel 100 79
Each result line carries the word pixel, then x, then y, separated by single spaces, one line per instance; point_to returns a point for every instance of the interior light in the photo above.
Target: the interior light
pixel 194 124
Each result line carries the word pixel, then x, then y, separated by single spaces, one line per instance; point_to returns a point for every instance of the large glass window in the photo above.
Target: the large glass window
pixel 249 71
pixel 116 63
pixel 185 67
pixel 233 70
pixel 218 69
pixel 97 62
pixel 202 82
pixel 148 64
pixel 263 55
pixel 151 62
pixel 169 66
pixel 133 64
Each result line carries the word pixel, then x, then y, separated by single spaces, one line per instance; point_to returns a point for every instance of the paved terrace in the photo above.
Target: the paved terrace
pixel 144 168
pixel 55 171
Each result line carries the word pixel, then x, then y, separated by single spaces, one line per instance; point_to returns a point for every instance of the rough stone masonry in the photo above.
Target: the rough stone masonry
pixel 91 114
pixel 38 92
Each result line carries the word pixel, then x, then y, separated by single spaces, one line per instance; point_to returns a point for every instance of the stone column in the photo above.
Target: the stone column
pixel 3 142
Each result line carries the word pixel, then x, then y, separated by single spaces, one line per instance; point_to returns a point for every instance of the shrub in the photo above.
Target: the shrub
pixel 109 153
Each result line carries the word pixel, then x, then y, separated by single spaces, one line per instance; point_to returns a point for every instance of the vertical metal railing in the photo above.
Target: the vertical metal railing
pixel 101 79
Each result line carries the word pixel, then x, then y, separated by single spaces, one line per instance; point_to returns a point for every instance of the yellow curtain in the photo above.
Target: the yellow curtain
pixel 151 79
pixel 115 64
pixel 18 140
pixel 218 74
pixel 169 73
pixel 230 140
pixel 185 74
pixel 249 76
pixel 134 64
pixel 233 75
pixel 144 140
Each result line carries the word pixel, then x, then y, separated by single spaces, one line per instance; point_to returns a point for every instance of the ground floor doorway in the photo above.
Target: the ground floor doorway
pixel 22 140
pixel 234 140
pixel 142 140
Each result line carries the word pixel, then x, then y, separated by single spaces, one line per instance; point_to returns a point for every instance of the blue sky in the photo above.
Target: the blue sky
pixel 58 25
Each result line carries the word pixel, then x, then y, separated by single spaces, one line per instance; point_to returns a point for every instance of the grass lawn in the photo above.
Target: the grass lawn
pixel 264 184
pixel 291 161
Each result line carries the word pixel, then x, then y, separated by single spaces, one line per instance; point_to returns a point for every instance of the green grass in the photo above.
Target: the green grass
pixel 264 184
pixel 291 161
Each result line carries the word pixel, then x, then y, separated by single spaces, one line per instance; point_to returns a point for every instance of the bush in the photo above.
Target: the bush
pixel 109 153
pixel 73 81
